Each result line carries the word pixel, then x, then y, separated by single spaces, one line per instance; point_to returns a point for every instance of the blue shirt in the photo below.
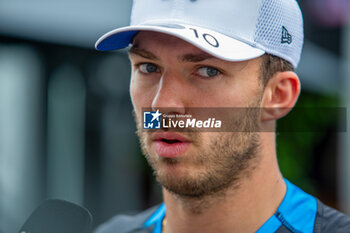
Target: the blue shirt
pixel 298 212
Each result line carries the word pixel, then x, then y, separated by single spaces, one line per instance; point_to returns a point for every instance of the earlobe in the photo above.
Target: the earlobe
pixel 280 95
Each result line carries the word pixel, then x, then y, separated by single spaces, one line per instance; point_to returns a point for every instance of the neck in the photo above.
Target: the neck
pixel 243 208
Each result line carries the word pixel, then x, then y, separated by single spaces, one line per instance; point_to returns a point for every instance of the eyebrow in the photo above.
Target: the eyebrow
pixel 195 57
pixel 142 53
pixel 190 57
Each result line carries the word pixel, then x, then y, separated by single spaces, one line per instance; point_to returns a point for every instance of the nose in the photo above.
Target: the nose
pixel 171 94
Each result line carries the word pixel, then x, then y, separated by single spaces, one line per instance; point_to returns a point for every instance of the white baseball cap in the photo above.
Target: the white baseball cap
pixel 232 30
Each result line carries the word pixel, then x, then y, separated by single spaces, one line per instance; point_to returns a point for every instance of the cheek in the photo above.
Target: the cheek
pixel 132 90
pixel 135 95
pixel 141 96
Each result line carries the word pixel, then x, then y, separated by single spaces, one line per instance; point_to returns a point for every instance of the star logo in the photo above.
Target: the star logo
pixel 156 115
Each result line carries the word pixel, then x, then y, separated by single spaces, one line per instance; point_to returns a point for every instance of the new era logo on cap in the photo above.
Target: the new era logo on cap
pixel 286 37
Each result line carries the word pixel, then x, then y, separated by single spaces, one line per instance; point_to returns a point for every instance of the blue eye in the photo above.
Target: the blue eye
pixel 208 71
pixel 148 68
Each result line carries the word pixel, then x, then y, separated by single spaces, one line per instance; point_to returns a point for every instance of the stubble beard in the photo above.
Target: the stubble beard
pixel 228 158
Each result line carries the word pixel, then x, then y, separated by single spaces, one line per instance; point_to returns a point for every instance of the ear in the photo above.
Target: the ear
pixel 280 95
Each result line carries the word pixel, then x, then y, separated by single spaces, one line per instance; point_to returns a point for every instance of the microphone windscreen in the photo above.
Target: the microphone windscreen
pixel 58 216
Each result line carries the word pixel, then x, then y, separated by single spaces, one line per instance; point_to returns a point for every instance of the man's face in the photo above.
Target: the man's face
pixel 168 72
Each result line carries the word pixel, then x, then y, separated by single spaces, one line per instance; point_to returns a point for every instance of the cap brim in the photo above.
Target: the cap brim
pixel 214 43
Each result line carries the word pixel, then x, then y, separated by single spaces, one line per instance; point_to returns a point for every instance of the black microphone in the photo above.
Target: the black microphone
pixel 57 216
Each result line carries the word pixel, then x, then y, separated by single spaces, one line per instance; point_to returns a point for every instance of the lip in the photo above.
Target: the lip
pixel 170 150
pixel 157 136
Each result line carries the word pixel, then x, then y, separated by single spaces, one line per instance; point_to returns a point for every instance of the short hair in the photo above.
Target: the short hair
pixel 270 65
